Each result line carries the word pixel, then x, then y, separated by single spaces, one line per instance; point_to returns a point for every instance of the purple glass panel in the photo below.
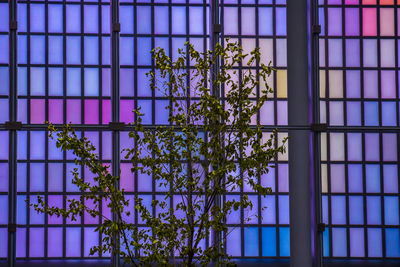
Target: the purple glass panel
pixel 234 216
pixel 390 179
pixel 283 178
pixel 353 113
pixel 37 111
pixel 354 147
pixel 3 110
pixel 55 201
pixel 73 111
pixel 56 111
pixel 4 144
pixel 91 111
pixel 374 242
pixel 126 51
pixel 4 89
pixel 105 50
pixel 106 146
pixel 127 20
pixel 73 15
pixel 356 206
pixel 37 47
pixel 21 241
pixel 265 21
pixel 144 182
pixel 54 242
pixel 77 218
pixel 161 111
pixel 352 26
pixel 339 242
pixel 106 81
pixel 37 175
pixel 37 145
pixel 55 18
pixel 335 21
pixel 126 111
pixel 355 178
pixel 55 177
pixel 126 82
pixel 106 111
pixel 234 243
pixel 146 109
pixel 91 238
pixel 357 242
pixel 21 177
pixel 373 209
pixel 353 83
pixel 4 49
pixel 88 218
pixel 4 177
pixel 372 178
pixel 338 209
pixel 370 84
pixel 143 83
pixel 21 209
pixel 352 53
pixel 127 178
pixel 4 209
pixel 36 242
pixel 4 17
pixel 389 114
pixel 280 21
pixel 55 81
pixel 388 84
pixel 22 110
pixel 372 147
pixel 267 113
pixel 37 23
pixel 337 178
pixel 34 216
pixel 73 242
pixel 91 19
pixel 389 146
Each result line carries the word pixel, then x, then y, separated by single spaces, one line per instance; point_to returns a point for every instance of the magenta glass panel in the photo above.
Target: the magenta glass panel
pixel 106 111
pixel 73 111
pixel 369 21
pixel 37 111
pixel 91 111
pixel 126 111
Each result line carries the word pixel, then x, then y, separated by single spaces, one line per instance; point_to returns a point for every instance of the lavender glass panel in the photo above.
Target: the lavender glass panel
pixel 88 218
pixel 36 242
pixel 91 111
pixel 37 145
pixel 91 238
pixel 283 209
pixel 282 112
pixel 22 81
pixel 372 147
pixel 38 81
pixel 4 89
pixel 4 49
pixel 22 110
pixel 4 177
pixel 352 27
pixel 268 179
pixel 144 46
pixel 337 178
pixel 338 209
pixel 391 210
pixel 126 19
pixel 268 211
pixel 372 178
pixel 265 21
pixel 177 43
pixel 230 20
pixel 370 53
pixel 146 109
pixel 387 53
pixel 325 209
pixel 55 18
pixel 389 114
pixel 280 23
pixel 161 16
pixel 55 177
pixel 143 83
pixel 355 178
pixel 233 243
pixel 91 50
pixel 21 241
pixel 334 21
pixel 390 179
pixel 73 81
pixel 267 113
pixel 336 113
pixel 143 19
pixel 145 182
pixel 22 49
pixel 106 111
pixel 250 214
pixel 283 178
pixel 353 113
pixel 37 177
pixel 126 51
pixel 70 186
pixel 34 216
pixel 105 50
pixel 251 241
pixel 53 151
pixel 21 176
pixel 55 81
pixel 195 20
pixel 54 242
pixel 4 17
pixel 388 84
pixel 371 113
pixel 21 209
pixel 334 50
pixel 357 210
pixel 127 177
pixel 126 82
pixel 55 201
pixel 3 110
pixel 73 49
pixel 55 50
pixel 281 52
pixel 370 84
pixel 248 21
pixel 357 242
pixel 234 216
pixel 73 15
pixel 161 113
pixel 354 147
pixel 352 53
pixel 146 201
pixel 73 111
pixel 21 144
pixel 126 111
pixel 4 209
pixel 106 81
pixel 105 22
pixel 91 81
pixel 339 242
pixel 4 145
pixel 73 242
pixel 37 18
pixel 374 242
pixel 374 210
pixel 91 19
pixel 37 47
pixel 106 146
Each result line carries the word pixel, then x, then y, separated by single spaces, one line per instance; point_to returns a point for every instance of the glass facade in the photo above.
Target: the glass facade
pixel 64 76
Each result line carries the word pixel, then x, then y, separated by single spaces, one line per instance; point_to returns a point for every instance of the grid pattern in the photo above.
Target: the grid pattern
pixel 360 103
pixel 262 24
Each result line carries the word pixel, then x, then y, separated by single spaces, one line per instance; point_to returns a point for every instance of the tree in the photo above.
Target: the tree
pixel 211 146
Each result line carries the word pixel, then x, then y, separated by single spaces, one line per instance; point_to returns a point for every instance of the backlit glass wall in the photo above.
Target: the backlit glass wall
pixel 360 102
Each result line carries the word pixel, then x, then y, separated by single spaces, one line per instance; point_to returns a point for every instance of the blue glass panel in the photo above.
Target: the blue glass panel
pixel 389 114
pixel 21 241
pixel 37 175
pixel 389 146
pixel 91 82
pixel 356 206
pixel 352 53
pixel 34 216
pixel 392 242
pixel 354 147
pixel 325 245
pixel 21 177
pixel 357 242
pixel 70 186
pixel 21 144
pixel 3 242
pixel 373 210
pixel 126 51
pixel 321 16
pixel 73 15
pixel 372 147
pixel 143 19
pixel 161 20
pixel 22 56
pixel 37 18
pixel 22 17
pixel 284 241
pixel 126 82
pixel 161 111
pixel 73 50
pixel 353 113
pixel 269 211
pixel 4 89
pixel 91 19
pixel 373 178
pixel 178 20
pixel 265 21
pixel 338 204
pixel 325 209
pixel 4 48
pixel 73 242
pixel 374 242
pixel 268 241
pixel 280 21
pixel 146 109
pixel 390 181
pixel 21 209
pixel 233 243
pixel 3 110
pixel 355 178
pixel 146 201
pixel 73 81
pixel 283 209
pixel 37 145
pixel 38 81
pixel 91 46
pixel 143 83
pixel 391 210
pixel 339 243
pixel 234 216
pixel 105 53
pixel 55 49
pixel 4 17
pixel 53 151
pixel 56 81
pixel 251 241
pixel 55 177
pixel 91 239
pixel 144 46
pixel 4 209
pixel 105 22
pixel 195 20
pixel 55 16
pixel 126 19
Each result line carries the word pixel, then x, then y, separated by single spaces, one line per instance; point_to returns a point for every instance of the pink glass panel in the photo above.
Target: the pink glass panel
pixel 106 111
pixel 369 21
